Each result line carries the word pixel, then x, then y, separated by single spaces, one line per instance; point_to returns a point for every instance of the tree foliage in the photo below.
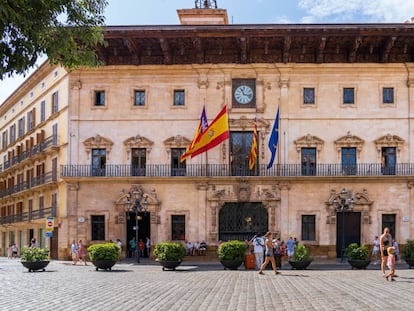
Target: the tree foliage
pixel 67 31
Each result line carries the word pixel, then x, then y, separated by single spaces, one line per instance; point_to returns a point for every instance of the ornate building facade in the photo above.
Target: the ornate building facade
pixel 101 140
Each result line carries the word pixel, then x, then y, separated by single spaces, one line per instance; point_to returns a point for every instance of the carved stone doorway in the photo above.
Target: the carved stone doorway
pixel 348 230
pixel 242 220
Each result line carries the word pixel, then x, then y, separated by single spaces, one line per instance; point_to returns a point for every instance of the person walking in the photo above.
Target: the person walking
pixel 132 247
pixel 391 264
pixel 74 252
pixel 385 242
pixel 82 252
pixel 148 246
pixel 258 250
pixel 396 251
pixel 269 257
pixel 290 243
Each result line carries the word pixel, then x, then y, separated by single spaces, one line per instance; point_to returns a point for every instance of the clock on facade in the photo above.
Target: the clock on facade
pixel 244 92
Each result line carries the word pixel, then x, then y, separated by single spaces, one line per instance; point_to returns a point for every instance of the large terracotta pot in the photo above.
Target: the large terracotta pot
pixel 104 264
pixel 300 265
pixel 359 263
pixel 169 264
pixel 231 264
pixel 35 265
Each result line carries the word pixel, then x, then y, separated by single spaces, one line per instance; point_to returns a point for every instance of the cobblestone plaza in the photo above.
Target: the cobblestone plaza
pixel 201 286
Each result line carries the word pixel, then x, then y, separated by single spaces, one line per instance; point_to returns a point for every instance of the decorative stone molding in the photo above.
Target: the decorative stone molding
pixel 309 141
pixel 244 123
pixel 137 142
pixel 76 85
pixel 362 203
pixel 177 142
pixel 349 141
pixel 98 142
pixel 389 141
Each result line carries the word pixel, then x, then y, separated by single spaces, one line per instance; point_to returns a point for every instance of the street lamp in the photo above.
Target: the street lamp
pixel 136 202
pixel 342 203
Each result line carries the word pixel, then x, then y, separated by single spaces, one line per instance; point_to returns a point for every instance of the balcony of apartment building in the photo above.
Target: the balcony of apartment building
pixel 31 214
pixel 28 151
pixel 33 183
pixel 222 170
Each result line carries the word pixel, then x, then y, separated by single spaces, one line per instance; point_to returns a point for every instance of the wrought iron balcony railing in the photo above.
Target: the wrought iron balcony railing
pixel 36 149
pixel 26 216
pixel 216 170
pixel 33 182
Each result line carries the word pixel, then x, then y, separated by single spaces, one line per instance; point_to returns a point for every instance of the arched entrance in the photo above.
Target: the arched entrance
pixel 242 220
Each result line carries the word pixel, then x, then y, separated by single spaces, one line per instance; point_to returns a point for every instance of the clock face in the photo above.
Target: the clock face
pixel 243 94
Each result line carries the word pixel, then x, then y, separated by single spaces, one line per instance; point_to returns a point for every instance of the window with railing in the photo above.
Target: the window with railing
pixel 308 228
pixel 178 227
pixel 98 227
pixel 177 168
pixel 349 161
pixel 308 159
pixel 98 162
pixel 138 161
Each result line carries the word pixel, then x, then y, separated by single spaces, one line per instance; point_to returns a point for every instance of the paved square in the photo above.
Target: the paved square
pixel 200 286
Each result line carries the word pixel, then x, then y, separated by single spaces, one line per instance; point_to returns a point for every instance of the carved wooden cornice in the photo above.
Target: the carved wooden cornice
pixel 244 44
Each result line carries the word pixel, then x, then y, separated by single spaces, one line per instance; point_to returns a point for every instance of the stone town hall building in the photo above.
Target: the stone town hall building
pixel 77 145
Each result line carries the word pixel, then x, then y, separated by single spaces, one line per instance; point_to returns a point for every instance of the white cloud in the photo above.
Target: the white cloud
pixel 357 10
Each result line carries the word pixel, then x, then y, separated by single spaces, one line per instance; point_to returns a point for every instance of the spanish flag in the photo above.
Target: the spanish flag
pixel 253 149
pixel 202 126
pixel 216 132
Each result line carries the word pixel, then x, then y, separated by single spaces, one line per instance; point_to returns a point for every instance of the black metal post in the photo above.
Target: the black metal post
pixel 343 233
pixel 136 208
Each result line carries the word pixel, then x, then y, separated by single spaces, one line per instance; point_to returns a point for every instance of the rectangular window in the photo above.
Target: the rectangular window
pixel 308 159
pixel 308 228
pixel 21 125
pixel 348 96
pixel 138 161
pixel 99 98
pixel 179 97
pixel 98 162
pixel 42 111
pixel 349 161
pixel 98 228
pixel 388 160
pixel 55 102
pixel 388 95
pixel 31 118
pixel 139 98
pixel 308 96
pixel 177 168
pixel 12 133
pixel 4 139
pixel 178 227
pixel 388 221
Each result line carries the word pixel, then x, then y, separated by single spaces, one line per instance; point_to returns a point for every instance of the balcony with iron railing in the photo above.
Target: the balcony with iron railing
pixel 32 183
pixel 221 170
pixel 28 216
pixel 49 142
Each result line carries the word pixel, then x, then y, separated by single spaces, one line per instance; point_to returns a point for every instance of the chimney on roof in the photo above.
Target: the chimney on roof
pixel 204 13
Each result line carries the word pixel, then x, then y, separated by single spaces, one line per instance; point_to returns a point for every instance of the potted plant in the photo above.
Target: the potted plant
pixel 301 258
pixel 358 256
pixel 231 254
pixel 409 253
pixel 169 254
pixel 104 256
pixel 34 258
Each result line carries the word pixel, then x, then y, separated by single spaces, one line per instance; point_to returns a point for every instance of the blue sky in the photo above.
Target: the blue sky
pixel 164 12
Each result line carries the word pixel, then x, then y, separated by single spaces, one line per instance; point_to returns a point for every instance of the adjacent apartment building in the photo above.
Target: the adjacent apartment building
pixel 96 152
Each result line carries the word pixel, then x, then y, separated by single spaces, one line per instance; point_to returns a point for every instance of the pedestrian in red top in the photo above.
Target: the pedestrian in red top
pixel 141 248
